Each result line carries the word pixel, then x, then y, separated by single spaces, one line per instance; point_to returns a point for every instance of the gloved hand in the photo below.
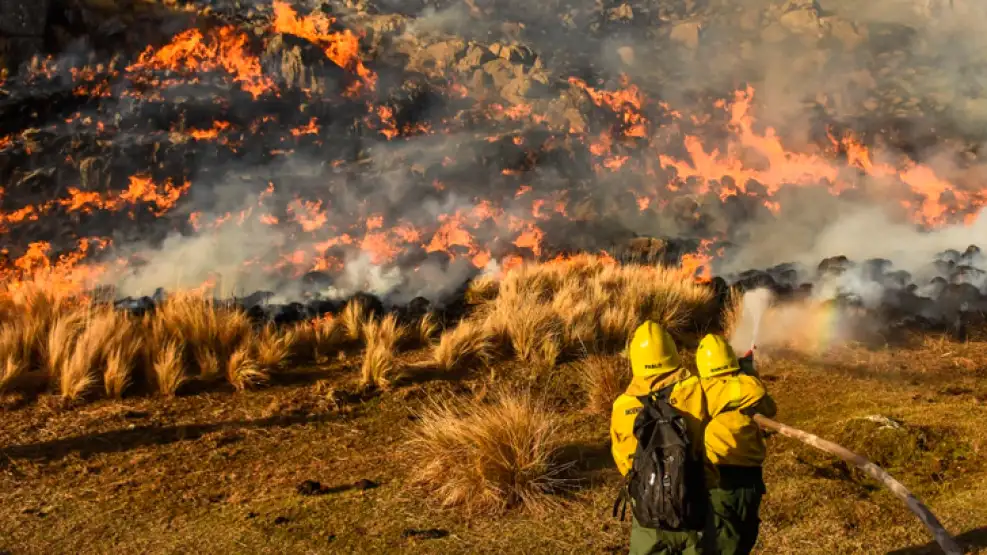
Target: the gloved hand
pixel 747 363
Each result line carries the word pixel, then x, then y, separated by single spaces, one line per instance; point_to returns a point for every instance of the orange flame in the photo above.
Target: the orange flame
pixel 343 47
pixel 223 48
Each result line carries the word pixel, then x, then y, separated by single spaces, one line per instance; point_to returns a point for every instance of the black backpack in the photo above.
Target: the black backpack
pixel 666 485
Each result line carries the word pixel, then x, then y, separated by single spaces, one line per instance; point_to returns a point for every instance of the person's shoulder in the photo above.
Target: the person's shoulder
pixel 750 381
pixel 688 384
pixel 625 401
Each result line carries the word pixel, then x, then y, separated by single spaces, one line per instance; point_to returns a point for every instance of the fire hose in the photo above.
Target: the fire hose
pixel 942 537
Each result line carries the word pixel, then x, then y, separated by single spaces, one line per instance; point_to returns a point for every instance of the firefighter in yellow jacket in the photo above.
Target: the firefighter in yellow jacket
pixel 655 365
pixel 734 442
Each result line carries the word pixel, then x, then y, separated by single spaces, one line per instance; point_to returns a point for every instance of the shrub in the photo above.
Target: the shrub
pixel 603 379
pixel 489 457
pixel 379 366
pixel 467 344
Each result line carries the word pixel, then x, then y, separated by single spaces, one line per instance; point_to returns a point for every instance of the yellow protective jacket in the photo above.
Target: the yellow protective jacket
pixel 732 436
pixel 687 396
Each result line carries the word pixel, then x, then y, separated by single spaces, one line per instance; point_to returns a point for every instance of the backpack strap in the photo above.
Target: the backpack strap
pixel 622 498
pixel 666 392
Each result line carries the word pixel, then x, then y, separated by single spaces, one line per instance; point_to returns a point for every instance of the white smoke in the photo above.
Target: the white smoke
pixel 754 305
pixel 859 234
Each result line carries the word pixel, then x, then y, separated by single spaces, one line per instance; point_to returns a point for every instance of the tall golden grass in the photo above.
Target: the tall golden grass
pixel 733 312
pixel 602 379
pixel 468 344
pixel 538 314
pixel 82 350
pixel 542 313
pixel 379 367
pixel 489 457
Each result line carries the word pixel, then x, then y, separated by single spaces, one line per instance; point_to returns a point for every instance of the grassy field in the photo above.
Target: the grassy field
pixel 354 448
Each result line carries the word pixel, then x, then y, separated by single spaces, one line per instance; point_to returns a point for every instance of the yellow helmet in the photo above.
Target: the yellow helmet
pixel 715 356
pixel 652 351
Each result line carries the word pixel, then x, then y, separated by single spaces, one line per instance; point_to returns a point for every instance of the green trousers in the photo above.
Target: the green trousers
pixel 735 505
pixel 648 541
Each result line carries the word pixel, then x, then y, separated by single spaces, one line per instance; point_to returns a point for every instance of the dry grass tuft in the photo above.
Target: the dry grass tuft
pixel 82 362
pixel 426 329
pixel 733 312
pixel 603 379
pixel 352 320
pixel 60 344
pixel 168 371
pixel 616 326
pixel 469 343
pixel 208 333
pixel 379 366
pixel 532 332
pixel 121 362
pixel 272 348
pixel 587 305
pixel 487 458
pixel 12 369
pixel 482 289
pixel 314 341
pixel 243 370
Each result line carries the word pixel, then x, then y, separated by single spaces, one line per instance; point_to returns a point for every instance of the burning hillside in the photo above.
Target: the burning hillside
pixel 316 151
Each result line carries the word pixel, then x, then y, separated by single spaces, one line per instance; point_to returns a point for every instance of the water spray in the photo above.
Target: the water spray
pixel 941 535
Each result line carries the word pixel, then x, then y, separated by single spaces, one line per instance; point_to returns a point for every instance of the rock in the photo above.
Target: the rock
pixel 846 32
pixel 686 34
pixel 960 296
pixel 320 307
pixel 749 20
pixel 310 487
pixel 282 520
pixel 382 24
pixel 971 253
pixel 626 54
pixel 897 279
pixel 365 484
pixel 287 313
pixel 785 275
pixel 441 55
pixel 371 304
pixel 137 307
pixel 502 72
pixel 834 265
pixel 514 53
pixel 874 269
pixel 302 64
pixel 474 57
pixel 427 534
pixel 801 21
pixel 516 90
pixel 623 12
pixel 419 307
pixel 756 279
pixel 255 299
pixel 645 250
pixel 774 33
pixel 949 256
pixel 968 274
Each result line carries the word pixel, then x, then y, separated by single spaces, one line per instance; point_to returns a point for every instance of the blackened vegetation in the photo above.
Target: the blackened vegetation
pixel 950 294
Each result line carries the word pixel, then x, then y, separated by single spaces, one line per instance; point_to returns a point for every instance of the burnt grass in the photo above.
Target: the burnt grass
pixel 311 465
